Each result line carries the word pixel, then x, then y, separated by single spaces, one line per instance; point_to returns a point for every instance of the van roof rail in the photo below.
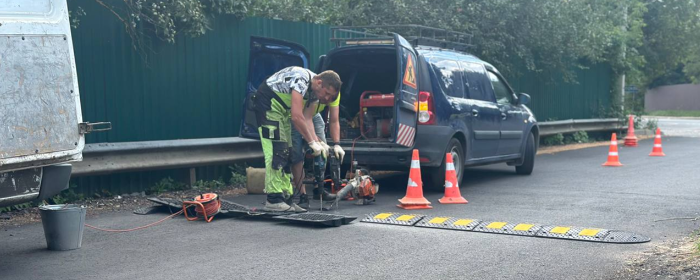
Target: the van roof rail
pixel 416 34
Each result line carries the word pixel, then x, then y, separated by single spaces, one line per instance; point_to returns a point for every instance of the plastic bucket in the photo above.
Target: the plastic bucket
pixel 63 226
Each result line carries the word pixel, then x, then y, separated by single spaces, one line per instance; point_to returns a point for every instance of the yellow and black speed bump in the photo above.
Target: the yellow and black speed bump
pixel 448 223
pixel 508 228
pixel 578 233
pixel 393 219
pixel 522 229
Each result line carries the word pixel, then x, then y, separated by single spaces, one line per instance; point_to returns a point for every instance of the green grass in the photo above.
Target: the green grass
pixel 675 113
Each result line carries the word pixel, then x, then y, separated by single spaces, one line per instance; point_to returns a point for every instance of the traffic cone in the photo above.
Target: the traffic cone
pixel 414 191
pixel 631 139
pixel 613 157
pixel 452 195
pixel 657 151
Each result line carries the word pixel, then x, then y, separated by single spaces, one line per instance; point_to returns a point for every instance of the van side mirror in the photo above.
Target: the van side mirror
pixel 523 98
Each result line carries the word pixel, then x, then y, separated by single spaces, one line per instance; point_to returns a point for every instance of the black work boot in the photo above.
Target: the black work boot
pixel 303 201
pixel 326 195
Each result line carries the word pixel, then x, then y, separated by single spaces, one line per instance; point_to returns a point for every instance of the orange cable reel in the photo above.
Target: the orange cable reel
pixel 206 206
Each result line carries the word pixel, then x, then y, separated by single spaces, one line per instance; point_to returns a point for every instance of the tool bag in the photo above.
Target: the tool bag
pixel 250 117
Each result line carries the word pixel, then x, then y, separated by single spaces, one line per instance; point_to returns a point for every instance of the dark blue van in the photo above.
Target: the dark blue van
pixel 396 97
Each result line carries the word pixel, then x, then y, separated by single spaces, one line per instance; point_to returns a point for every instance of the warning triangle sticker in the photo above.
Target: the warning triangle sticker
pixel 409 77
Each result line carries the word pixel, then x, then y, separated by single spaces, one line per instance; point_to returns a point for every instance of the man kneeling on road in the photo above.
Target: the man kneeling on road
pixel 279 103
pixel 320 161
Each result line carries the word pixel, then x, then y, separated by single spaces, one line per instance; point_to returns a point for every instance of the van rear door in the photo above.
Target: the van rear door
pixel 40 111
pixel 406 94
pixel 267 56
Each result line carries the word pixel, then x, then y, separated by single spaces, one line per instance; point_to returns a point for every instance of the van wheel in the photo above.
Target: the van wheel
pixel 529 160
pixel 435 176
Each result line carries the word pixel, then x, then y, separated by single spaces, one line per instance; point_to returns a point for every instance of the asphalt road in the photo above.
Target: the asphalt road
pixel 678 126
pixel 568 189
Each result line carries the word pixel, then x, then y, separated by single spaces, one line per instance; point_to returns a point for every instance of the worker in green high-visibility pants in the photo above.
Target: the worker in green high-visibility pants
pixel 283 100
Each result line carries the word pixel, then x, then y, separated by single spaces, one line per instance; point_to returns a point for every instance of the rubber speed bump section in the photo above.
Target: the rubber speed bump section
pixel 393 219
pixel 508 228
pixel 170 202
pixel 625 237
pixel 148 210
pixel 448 223
pixel 319 219
pixel 576 233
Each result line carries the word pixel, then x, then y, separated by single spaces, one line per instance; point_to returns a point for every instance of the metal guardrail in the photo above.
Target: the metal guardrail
pixel 588 125
pixel 107 158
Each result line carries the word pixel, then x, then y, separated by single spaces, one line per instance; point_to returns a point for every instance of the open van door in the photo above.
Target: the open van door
pixel 267 56
pixel 40 111
pixel 406 96
pixel 41 126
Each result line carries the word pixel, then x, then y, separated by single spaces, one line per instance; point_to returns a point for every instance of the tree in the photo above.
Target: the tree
pixel 643 38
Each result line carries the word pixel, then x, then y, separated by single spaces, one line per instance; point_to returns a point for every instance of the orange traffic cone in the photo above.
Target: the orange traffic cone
pixel 657 151
pixel 613 156
pixel 452 195
pixel 414 192
pixel 631 139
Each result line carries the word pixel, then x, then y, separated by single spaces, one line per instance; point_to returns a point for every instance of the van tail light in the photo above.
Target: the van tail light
pixel 426 110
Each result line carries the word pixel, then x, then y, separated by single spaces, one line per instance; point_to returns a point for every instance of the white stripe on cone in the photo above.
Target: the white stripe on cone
pixel 411 183
pixel 612 153
pixel 448 184
pixel 613 143
pixel 658 136
pixel 450 166
pixel 415 164
pixel 657 145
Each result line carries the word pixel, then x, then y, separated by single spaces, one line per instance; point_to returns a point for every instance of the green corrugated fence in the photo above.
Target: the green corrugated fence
pixel 194 88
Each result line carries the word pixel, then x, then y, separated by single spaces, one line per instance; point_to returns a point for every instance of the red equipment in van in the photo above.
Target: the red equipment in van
pixel 377 114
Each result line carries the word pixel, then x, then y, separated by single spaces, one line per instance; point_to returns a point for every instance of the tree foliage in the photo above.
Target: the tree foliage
pixel 645 39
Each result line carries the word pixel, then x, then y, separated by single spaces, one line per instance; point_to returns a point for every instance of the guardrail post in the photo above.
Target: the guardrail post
pixel 193 176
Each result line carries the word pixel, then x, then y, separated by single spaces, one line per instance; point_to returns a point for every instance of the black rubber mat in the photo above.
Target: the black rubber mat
pixel 320 219
pixel 149 210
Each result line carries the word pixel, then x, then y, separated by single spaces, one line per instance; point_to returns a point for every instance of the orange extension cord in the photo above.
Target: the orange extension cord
pixel 206 206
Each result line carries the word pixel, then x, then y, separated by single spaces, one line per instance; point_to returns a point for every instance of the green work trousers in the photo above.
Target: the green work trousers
pixel 276 137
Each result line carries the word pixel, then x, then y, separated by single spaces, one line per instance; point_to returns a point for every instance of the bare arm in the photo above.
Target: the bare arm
pixel 309 113
pixel 335 124
pixel 298 119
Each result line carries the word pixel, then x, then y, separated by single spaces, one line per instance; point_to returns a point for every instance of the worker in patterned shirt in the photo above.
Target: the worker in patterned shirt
pixel 289 97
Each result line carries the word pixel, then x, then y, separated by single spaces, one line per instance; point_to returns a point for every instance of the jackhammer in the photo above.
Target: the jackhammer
pixel 361 187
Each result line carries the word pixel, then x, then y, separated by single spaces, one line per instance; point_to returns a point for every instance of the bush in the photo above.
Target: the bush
pixel 210 185
pixel 553 140
pixel 652 124
pixel 580 137
pixel 165 185
pixel 238 175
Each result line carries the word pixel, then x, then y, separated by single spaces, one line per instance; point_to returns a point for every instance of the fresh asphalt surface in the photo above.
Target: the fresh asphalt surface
pixel 567 189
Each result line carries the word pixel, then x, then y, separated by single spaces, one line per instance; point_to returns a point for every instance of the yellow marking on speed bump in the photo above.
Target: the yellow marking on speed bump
pixel 438 220
pixel 498 225
pixel 463 222
pixel 589 232
pixel 523 227
pixel 404 218
pixel 382 216
pixel 560 230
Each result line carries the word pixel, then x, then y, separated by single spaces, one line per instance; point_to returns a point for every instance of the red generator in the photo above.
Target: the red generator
pixel 377 119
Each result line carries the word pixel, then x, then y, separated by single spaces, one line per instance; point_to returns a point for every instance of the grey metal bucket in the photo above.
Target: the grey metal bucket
pixel 63 226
